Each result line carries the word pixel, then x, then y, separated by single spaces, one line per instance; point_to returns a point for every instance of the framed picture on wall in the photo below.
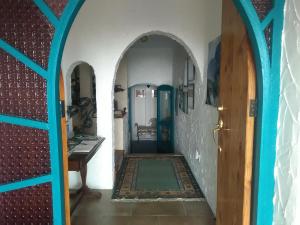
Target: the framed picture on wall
pixel 213 72
pixel 185 102
pixel 191 71
pixel 176 101
pixel 183 98
pixel 180 97
pixel 191 95
pixel 186 71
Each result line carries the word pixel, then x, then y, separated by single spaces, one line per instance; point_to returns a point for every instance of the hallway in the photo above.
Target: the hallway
pixel 178 112
pixel 104 211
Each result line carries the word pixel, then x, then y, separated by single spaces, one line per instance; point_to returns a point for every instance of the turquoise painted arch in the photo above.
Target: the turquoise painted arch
pixel 51 75
pixel 268 90
pixel 268 83
pixel 54 112
pixel 268 80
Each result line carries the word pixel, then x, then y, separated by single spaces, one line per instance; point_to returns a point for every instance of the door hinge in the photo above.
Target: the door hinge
pixel 253 108
pixel 62 108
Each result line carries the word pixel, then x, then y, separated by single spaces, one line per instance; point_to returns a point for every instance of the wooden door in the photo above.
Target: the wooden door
pixel 237 89
pixel 65 152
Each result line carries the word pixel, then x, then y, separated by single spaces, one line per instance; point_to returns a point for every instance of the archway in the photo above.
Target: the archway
pixel 81 104
pixel 151 68
pixel 268 110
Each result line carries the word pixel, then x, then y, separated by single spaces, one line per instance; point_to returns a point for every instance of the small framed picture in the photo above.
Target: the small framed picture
pixel 176 101
pixel 191 71
pixel 191 95
pixel 186 72
pixel 182 99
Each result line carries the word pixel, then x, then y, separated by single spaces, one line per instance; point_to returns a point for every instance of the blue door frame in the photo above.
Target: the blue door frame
pixel 268 83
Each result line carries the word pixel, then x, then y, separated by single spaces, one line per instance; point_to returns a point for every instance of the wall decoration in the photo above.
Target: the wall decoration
pixel 176 101
pixel 180 97
pixel 183 98
pixel 213 72
pixel 191 95
pixel 185 73
pixel 191 71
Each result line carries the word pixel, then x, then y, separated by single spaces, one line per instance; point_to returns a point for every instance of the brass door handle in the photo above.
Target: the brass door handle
pixel 219 127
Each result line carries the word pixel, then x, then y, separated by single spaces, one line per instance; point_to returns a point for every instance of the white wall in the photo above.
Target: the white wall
pixel 121 133
pixel 102 32
pixel 150 65
pixel 287 171
pixel 193 132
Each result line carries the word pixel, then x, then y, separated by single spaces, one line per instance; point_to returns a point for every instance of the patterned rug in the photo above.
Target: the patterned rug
pixel 156 177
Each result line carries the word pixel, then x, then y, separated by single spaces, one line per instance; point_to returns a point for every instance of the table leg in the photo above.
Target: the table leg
pixel 84 188
pixel 83 174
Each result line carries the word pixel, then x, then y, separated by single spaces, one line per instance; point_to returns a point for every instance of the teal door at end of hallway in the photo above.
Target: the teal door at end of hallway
pixel 165 119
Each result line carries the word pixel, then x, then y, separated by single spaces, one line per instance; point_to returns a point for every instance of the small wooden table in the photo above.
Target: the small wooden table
pixel 79 156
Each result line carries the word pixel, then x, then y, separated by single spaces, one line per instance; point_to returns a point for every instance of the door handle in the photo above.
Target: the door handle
pixel 219 127
pixel 214 137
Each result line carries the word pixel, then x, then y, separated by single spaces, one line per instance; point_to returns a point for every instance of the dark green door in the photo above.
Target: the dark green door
pixel 165 119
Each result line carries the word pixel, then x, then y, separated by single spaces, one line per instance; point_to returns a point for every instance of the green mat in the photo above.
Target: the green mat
pixel 156 175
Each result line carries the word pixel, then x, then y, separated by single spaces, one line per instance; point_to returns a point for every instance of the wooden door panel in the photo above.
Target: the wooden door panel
pixel 65 153
pixel 237 87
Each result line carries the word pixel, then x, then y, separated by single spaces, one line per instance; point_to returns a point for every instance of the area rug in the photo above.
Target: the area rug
pixel 156 177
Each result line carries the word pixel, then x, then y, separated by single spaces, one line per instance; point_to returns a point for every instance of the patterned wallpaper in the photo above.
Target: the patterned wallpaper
pixel 287 171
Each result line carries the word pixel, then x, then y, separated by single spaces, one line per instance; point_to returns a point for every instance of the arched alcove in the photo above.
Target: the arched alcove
pixel 80 86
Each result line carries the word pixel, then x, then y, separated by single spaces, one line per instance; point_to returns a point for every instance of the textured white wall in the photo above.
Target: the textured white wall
pixel 287 170
pixel 102 32
pixel 193 133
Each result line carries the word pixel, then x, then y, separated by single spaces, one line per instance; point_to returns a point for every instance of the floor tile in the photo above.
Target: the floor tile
pixel 185 220
pixel 104 211
pixel 197 208
pixel 158 208
pixel 114 220
pixel 143 220
pixel 84 220
pixel 104 206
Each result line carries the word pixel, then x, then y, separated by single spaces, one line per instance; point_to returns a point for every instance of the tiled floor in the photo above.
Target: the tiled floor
pixel 93 211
